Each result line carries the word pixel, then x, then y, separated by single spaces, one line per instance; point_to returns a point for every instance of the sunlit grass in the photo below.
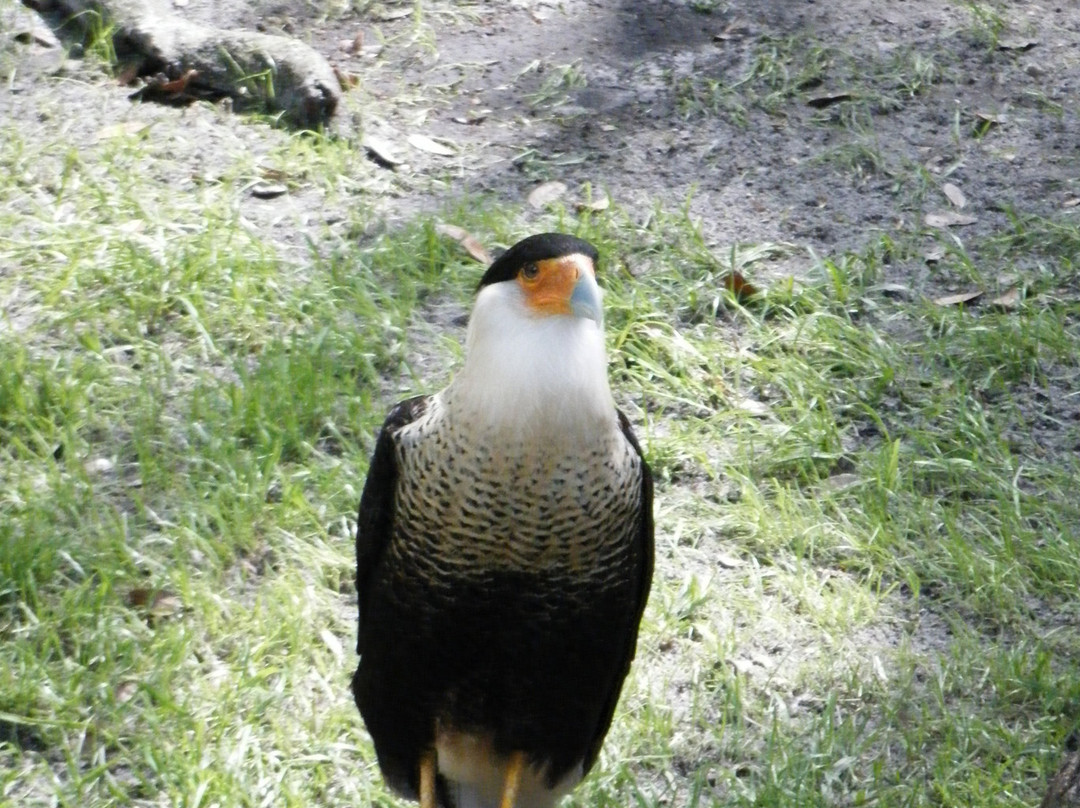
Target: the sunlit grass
pixel 867 526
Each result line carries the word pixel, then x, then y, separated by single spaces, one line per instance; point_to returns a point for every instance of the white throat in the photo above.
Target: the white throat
pixel 532 375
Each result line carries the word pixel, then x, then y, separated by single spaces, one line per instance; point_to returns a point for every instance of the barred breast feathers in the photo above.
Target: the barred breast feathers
pixel 468 504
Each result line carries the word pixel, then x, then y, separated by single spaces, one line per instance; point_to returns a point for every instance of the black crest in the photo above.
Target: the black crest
pixel 535 248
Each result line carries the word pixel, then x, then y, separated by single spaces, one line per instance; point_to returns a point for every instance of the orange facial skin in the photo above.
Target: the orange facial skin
pixel 549 284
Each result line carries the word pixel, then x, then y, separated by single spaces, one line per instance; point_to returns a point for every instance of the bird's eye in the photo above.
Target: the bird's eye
pixel 530 271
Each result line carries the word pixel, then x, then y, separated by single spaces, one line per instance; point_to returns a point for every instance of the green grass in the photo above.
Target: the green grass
pixel 867 522
pixel 778 71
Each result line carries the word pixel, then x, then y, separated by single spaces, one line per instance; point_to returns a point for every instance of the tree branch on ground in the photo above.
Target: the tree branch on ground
pixel 275 73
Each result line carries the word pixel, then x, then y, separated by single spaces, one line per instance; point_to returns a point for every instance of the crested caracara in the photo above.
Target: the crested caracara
pixel 505 550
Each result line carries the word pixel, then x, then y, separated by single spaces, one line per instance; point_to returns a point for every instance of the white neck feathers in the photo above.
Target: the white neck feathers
pixel 533 375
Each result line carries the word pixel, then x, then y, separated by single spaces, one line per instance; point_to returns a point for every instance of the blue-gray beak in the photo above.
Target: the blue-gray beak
pixel 585 300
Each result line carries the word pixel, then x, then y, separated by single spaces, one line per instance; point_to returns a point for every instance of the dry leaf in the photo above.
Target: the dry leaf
pixel 1017 44
pixel 879 670
pixel 1009 300
pixel 934 254
pixel 451 231
pixel 739 286
pixel 381 151
pixel 753 407
pixel 123 129
pixel 734 30
pixel 384 14
pixel 743 666
pixel 545 193
pixel 132 226
pixel 593 205
pixel 177 85
pixel 954 194
pixel 956 300
pixel 896 290
pixel 466 240
pixel 139 597
pixel 268 190
pixel 357 43
pixel 989 118
pixel 426 144
pixel 160 87
pixel 472 118
pixel 331 642
pixel 37 35
pixel 948 218
pixel 345 79
pixel 166 604
pixel 154 603
pixel 823 100
pixel 125 691
pixel 100 465
pixel 1070 203
pixel 841 482
pixel 728 561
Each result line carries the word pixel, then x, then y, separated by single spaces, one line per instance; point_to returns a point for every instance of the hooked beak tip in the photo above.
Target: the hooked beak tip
pixel 585 301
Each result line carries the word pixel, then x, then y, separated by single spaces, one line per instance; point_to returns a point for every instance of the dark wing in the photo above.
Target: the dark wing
pixel 375 524
pixel 645 542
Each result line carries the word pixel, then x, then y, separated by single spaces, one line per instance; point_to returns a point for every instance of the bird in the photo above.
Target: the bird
pixel 505 550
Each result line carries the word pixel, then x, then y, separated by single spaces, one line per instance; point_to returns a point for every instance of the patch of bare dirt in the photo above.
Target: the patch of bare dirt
pixel 814 123
pixel 823 124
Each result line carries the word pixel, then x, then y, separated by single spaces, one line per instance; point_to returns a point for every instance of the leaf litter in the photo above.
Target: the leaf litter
pixel 546 193
pixel 463 237
pixel 949 218
pixel 954 195
pixel 635 169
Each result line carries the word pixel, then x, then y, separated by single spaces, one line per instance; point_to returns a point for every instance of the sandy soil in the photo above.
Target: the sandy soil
pixel 819 124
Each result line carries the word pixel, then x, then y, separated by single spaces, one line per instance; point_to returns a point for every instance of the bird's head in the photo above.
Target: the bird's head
pixel 549 274
pixel 535 344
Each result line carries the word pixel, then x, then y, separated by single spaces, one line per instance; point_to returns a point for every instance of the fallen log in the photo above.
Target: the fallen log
pixel 259 70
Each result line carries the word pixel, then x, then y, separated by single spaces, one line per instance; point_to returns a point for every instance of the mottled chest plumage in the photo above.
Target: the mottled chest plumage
pixel 470 502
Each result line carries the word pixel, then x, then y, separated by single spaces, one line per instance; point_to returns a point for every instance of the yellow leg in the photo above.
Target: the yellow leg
pixel 427 781
pixel 513 780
